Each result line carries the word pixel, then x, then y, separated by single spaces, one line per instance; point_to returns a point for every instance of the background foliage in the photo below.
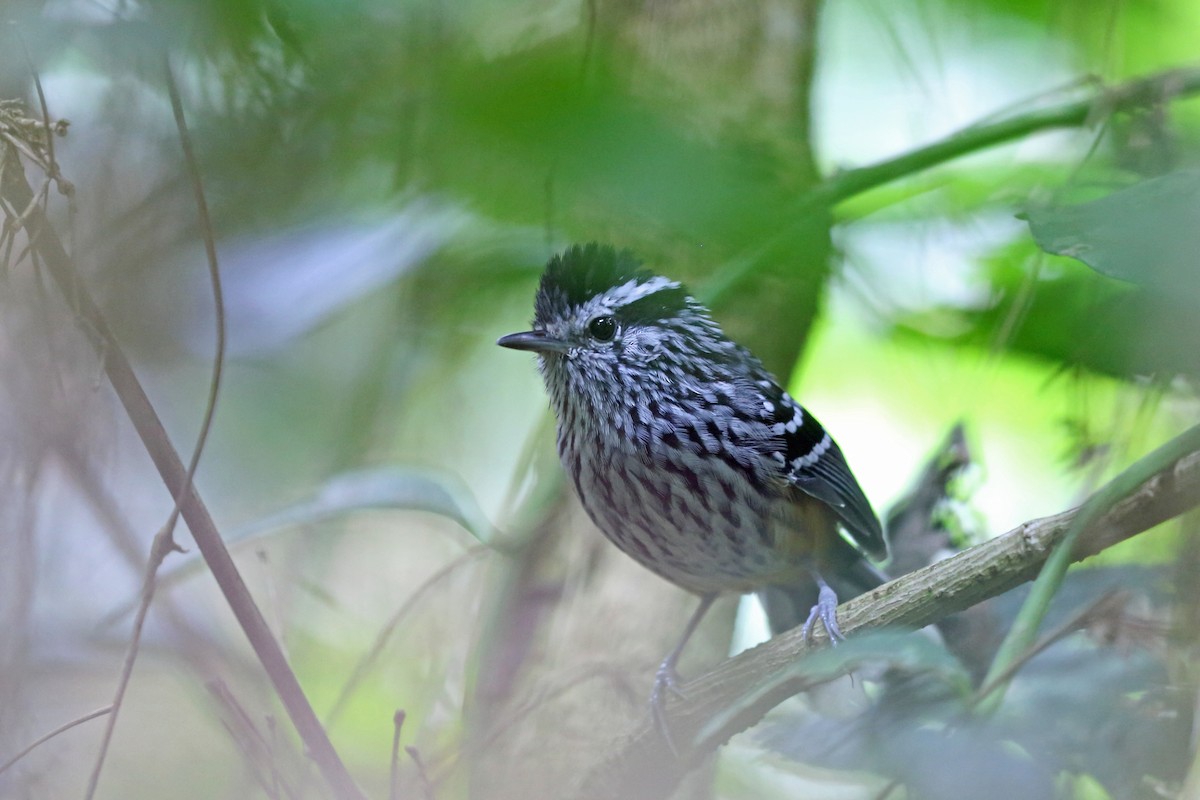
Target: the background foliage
pixel 386 181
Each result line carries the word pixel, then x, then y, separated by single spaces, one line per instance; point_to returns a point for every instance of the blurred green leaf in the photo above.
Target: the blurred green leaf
pixel 1072 317
pixel 896 649
pixel 1147 234
pixel 391 488
pixel 528 136
pixel 381 488
pixel 920 731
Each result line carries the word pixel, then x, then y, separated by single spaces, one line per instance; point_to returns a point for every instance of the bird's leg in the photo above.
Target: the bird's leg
pixel 667 679
pixel 826 610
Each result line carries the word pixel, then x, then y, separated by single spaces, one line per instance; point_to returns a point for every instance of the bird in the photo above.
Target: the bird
pixel 689 455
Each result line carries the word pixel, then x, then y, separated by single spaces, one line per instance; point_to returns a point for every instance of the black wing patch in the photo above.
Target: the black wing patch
pixel 814 464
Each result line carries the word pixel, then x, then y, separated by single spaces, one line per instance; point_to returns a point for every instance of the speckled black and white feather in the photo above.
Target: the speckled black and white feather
pixel 684 450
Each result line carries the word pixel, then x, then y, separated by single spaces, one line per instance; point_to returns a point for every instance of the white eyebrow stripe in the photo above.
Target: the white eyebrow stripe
pixel 629 291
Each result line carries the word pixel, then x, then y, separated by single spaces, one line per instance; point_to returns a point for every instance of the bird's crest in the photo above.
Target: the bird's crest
pixel 583 273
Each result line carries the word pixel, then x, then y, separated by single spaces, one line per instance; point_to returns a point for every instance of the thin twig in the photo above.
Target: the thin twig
pixel 210 251
pixel 1059 632
pixel 64 186
pixel 164 540
pixel 99 712
pixel 422 776
pixel 150 430
pixel 163 544
pixel 614 677
pixel 214 274
pixel 394 775
pixel 617 679
pixel 276 778
pixel 258 751
pixel 367 661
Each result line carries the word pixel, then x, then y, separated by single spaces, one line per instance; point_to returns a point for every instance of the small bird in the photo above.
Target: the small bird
pixel 688 454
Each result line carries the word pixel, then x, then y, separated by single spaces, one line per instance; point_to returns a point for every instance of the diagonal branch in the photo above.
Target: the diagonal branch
pixel 641 766
pixel 16 191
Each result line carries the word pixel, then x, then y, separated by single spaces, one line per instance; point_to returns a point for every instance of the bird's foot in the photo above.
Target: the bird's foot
pixel 826 611
pixel 666 681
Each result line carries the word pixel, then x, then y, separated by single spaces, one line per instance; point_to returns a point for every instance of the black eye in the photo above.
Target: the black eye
pixel 603 328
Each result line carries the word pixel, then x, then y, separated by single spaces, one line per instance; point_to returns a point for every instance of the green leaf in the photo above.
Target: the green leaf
pixel 1147 233
pixel 900 649
pixel 387 488
pixel 1071 316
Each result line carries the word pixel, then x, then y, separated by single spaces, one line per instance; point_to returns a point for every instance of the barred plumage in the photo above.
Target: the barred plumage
pixel 683 449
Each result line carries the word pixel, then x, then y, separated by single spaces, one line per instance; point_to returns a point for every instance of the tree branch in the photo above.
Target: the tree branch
pixel 41 740
pixel 642 766
pixel 1132 94
pixel 816 201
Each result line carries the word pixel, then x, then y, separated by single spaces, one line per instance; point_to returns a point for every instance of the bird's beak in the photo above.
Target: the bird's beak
pixel 537 341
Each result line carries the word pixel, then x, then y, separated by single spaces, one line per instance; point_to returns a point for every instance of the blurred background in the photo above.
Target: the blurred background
pixel 387 179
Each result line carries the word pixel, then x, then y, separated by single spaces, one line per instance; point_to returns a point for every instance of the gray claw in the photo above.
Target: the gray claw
pixel 826 610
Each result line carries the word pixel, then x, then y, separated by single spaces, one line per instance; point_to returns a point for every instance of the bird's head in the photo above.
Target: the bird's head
pixel 602 320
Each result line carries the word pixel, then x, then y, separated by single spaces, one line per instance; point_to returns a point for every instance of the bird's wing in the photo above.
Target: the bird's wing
pixel 813 463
